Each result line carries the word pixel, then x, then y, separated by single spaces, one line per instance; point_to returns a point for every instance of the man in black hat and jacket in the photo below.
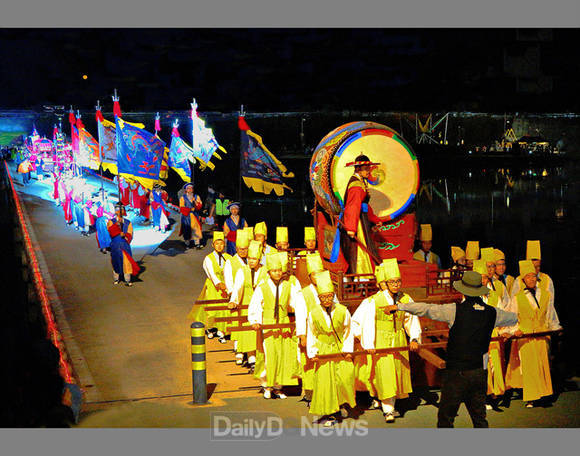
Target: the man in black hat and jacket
pixel 470 325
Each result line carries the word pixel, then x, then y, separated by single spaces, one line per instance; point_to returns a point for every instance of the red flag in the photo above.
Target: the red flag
pixel 99 116
pixel 117 108
pixel 242 125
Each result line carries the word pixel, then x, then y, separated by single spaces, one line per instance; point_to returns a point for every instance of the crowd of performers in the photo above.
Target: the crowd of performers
pixel 89 211
pixel 260 277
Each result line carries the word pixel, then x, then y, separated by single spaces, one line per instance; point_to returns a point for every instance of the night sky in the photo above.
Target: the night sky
pixel 273 70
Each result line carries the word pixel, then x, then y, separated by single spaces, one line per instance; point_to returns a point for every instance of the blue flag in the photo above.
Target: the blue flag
pixel 139 153
pixel 261 170
pixel 179 156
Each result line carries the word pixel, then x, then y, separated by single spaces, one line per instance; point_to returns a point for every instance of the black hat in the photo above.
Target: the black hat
pixel 361 160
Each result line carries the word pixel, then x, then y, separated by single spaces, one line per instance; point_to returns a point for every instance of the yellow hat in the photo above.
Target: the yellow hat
pixel 273 261
pixel 380 273
pixel 250 231
pixel 426 233
pixel 480 266
pixel 283 260
pixel 533 251
pixel 261 228
pixel 527 267
pixel 218 236
pixel 457 252
pixel 255 249
pixel 242 239
pixel 314 263
pixel 390 269
pixel 324 283
pixel 472 250
pixel 499 255
pixel 488 255
pixel 309 233
pixel 281 234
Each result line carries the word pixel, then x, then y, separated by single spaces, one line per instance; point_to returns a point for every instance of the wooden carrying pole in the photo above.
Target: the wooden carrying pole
pixel 423 348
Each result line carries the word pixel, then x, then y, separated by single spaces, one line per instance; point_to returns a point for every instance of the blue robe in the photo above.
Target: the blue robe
pixel 157 212
pixel 185 229
pixel 230 245
pixel 118 246
pixel 103 236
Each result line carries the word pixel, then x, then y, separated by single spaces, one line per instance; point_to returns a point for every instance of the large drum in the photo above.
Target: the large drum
pixel 393 183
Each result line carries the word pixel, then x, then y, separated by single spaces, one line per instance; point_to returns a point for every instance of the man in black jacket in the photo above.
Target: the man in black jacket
pixel 470 325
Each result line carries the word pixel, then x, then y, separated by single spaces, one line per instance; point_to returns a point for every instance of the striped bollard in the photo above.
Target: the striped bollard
pixel 198 363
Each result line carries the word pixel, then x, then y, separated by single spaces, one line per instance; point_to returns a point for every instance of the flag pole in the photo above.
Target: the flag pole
pixel 98 108
pixel 193 112
pixel 242 114
pixel 80 168
pixel 116 99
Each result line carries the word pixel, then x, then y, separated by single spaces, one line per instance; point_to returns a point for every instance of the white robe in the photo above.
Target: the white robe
pixel 208 267
pixel 347 340
pixel 364 322
pixel 553 323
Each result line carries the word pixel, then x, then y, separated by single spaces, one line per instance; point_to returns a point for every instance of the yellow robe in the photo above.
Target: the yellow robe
pixel 529 366
pixel 210 292
pixel 386 376
pixel 495 371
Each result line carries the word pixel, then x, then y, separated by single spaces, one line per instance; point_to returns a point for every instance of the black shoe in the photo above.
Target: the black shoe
pixel 252 369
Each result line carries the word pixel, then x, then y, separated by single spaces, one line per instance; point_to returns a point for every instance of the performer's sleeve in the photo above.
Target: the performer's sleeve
pixel 412 326
pixel 198 203
pixel 301 314
pixel 551 289
pixel 228 276
pixel 348 337
pixel 129 234
pixel 552 317
pixel 311 348
pixel 511 308
pixel 208 268
pixel 237 287
pixel 438 312
pixel 255 307
pixel 352 208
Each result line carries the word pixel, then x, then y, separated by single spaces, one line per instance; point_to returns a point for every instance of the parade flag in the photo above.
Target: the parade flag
pixel 107 146
pixel 164 172
pixel 89 149
pixel 180 154
pixel 139 153
pixel 107 138
pixel 205 146
pixel 261 170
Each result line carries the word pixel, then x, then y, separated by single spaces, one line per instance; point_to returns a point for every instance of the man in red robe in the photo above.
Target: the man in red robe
pixel 357 218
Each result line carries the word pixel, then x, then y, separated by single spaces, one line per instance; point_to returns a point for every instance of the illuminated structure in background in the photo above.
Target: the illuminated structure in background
pixel 427 132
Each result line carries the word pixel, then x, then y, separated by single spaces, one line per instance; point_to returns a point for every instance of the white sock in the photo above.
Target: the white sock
pixel 388 405
pixel 251 359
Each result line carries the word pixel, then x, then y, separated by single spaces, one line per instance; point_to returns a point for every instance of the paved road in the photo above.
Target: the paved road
pixel 135 342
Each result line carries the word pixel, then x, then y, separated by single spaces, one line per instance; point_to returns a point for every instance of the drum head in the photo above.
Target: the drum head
pixel 393 183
